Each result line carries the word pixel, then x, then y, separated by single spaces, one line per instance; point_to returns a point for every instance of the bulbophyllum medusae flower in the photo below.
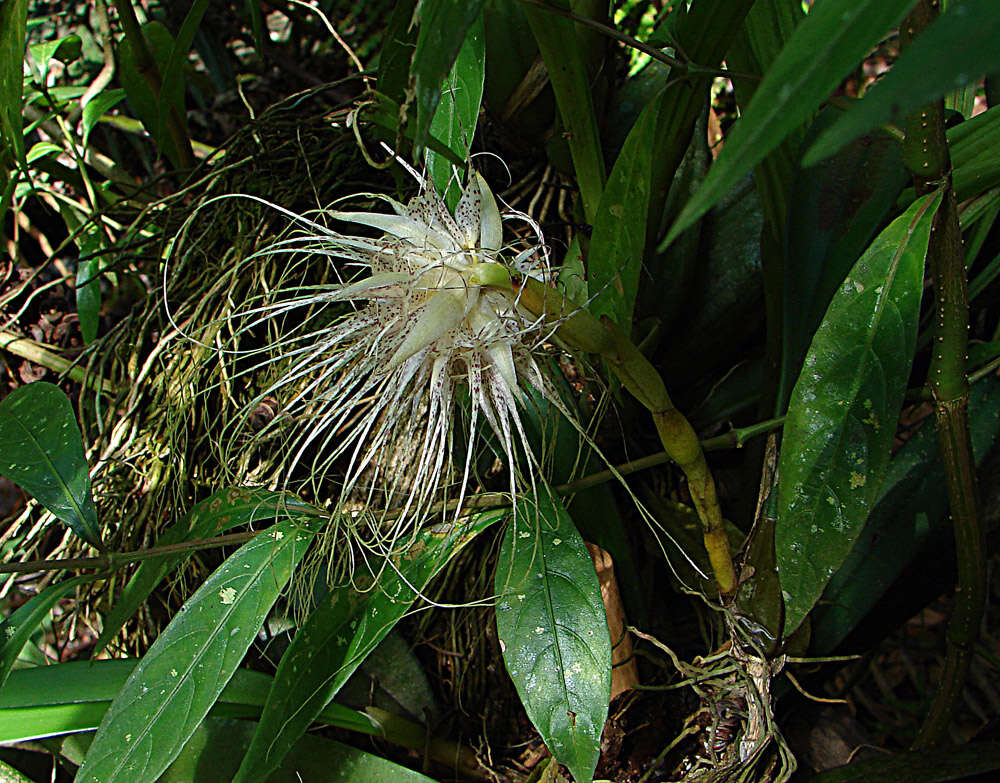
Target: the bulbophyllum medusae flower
pixel 369 373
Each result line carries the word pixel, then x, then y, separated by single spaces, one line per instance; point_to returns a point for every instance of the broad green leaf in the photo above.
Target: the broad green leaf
pixel 842 415
pixel 618 244
pixel 911 510
pixel 553 631
pixel 43 453
pixel 311 759
pixel 395 669
pixel 457 115
pixel 828 44
pixel 724 299
pixel 335 639
pixel 185 670
pixel 141 96
pixel 226 509
pixel 63 49
pixel 46 701
pixel 383 113
pixel 834 212
pixel 397 53
pixel 561 51
pixel 13 21
pixel 956 48
pixel 443 27
pixel 24 621
pixel 96 107
pixel 768 26
pixel 649 162
pixel 936 765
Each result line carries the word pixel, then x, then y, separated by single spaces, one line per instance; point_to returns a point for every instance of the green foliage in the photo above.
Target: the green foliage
pixel 823 49
pixel 959 47
pixel 839 432
pixel 799 287
pixel 42 701
pixel 161 704
pixel 553 631
pixel 335 639
pixel 44 454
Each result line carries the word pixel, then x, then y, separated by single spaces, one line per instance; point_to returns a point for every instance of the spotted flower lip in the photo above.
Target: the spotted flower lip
pixel 368 398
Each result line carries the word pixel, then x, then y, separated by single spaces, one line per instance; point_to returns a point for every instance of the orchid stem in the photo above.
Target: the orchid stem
pixel 583 331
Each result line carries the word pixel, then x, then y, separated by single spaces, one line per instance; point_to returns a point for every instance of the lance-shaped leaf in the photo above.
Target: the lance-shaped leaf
pixel 843 409
pixel 185 670
pixel 22 623
pixel 443 27
pixel 456 116
pixel 956 48
pixel 825 47
pixel 43 453
pixel 553 631
pixel 48 701
pixel 224 510
pixel 336 638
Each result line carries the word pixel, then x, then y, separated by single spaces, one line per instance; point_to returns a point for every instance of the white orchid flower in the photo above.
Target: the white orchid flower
pixel 369 398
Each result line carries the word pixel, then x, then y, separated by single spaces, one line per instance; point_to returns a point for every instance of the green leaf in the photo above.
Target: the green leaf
pixel 256 24
pixel 911 509
pixel 226 509
pixel 843 410
pixel 561 51
pixel 63 49
pixel 928 766
pixel 22 623
pixel 335 639
pixel 553 631
pixel 825 47
pixel 97 107
pixel 834 212
pixel 396 55
pixel 46 701
pixel 443 27
pixel 312 759
pixel 456 117
pixel 618 244
pixel 43 453
pixel 185 670
pixel 13 21
pixel 172 87
pixel 42 149
pixel 974 146
pixel 141 96
pixel 956 48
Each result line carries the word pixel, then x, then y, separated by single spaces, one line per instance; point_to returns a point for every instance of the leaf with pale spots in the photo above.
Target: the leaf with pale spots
pixel 219 513
pixel 553 631
pixel 43 453
pixel 337 637
pixel 183 673
pixel 842 413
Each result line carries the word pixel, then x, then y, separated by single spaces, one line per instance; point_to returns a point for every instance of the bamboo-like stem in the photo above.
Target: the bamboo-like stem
pixel 925 152
pixel 583 331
